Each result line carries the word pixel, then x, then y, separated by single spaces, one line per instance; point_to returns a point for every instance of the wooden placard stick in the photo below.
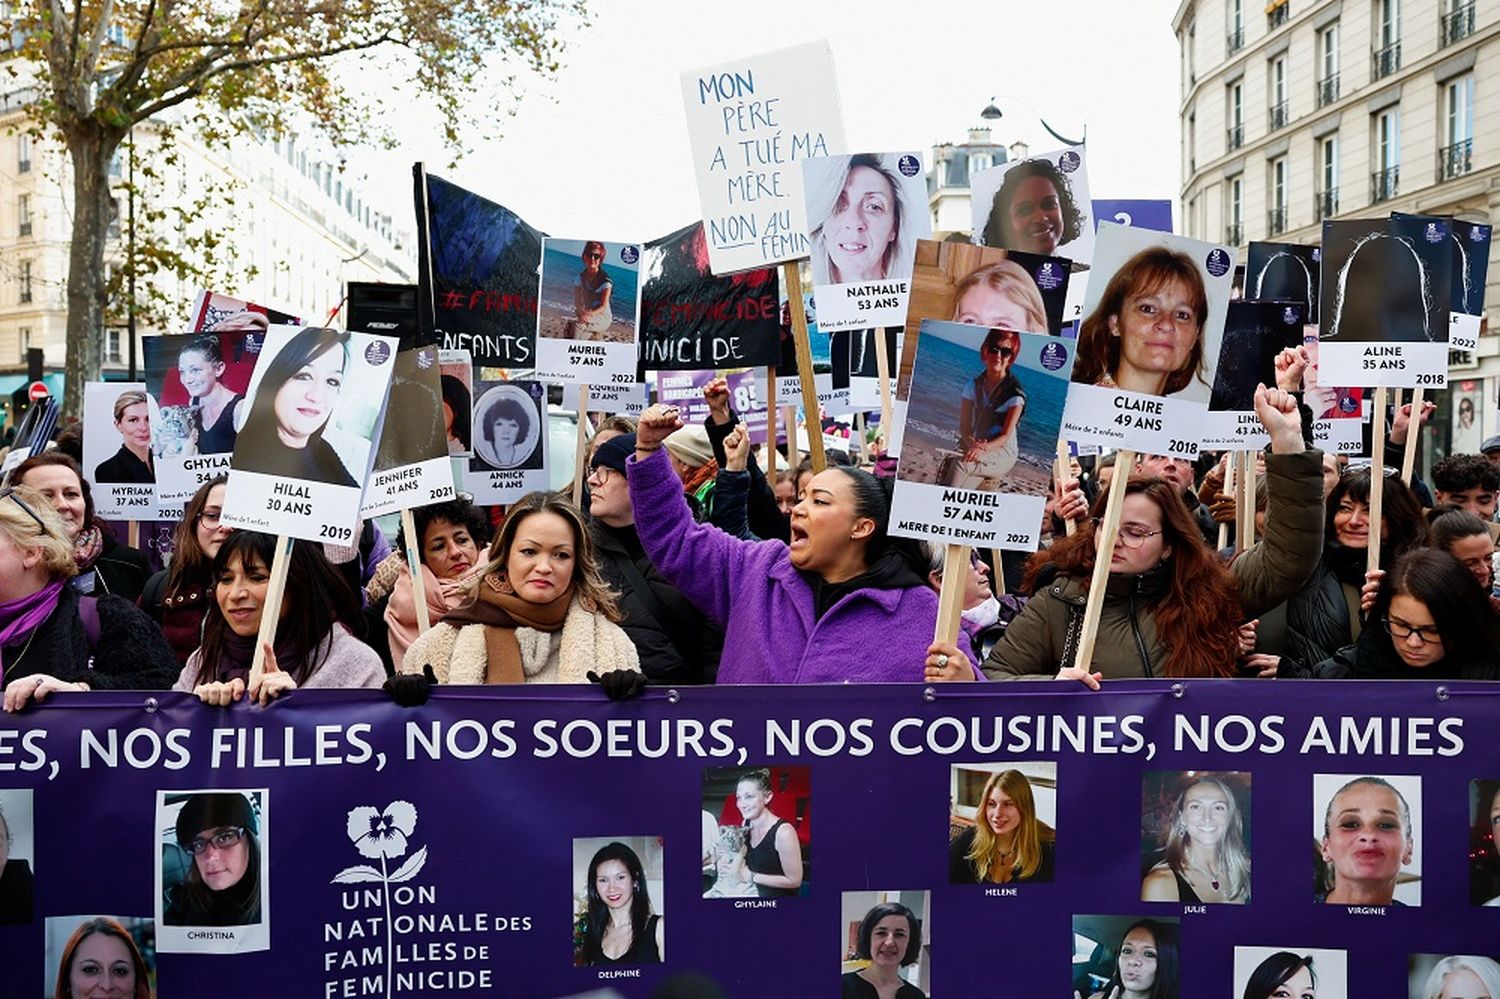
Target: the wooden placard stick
pixel 414 563
pixel 793 280
pixel 883 373
pixel 1230 490
pixel 1244 502
pixel 270 610
pixel 133 533
pixel 951 596
pixel 1103 552
pixel 997 559
pixel 1377 479
pixel 579 473
pixel 771 425
pixel 1409 455
pixel 1063 467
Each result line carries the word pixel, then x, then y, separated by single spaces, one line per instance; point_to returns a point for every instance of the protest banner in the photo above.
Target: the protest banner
pixel 122 478
pixel 1142 213
pixel 509 456
pixel 1284 272
pixel 980 436
pixel 1386 287
pixel 1254 334
pixel 1470 243
pixel 589 312
pixel 1149 342
pixel 215 313
pixel 1338 413
pixel 197 384
pixel 411 466
pixel 865 213
pixel 304 449
pixel 378 812
pixel 477 265
pixel 684 389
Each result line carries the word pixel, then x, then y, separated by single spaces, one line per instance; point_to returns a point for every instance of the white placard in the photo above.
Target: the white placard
pixel 626 400
pixel 411 465
pixel 1040 205
pixel 1463 332
pixel 588 312
pixel 175 938
pixel 749 123
pixel 1339 436
pixel 117 457
pixel 831 401
pixel 510 442
pixel 1236 431
pixel 1390 364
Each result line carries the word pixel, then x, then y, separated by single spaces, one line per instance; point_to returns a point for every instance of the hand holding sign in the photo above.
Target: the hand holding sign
pixel 271 683
pixel 945 663
pixel 220 695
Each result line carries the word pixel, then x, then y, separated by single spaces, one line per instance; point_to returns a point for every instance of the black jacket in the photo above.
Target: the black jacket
pixel 1320 617
pixel 676 643
pixel 1373 657
pixel 119 570
pixel 766 521
pixel 131 653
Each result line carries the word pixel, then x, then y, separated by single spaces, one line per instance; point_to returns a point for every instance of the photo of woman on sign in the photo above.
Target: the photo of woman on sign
pixel 857 214
pixel 215 407
pixel 294 402
pixel 988 416
pixel 132 463
pixel 1368 845
pixel 1203 854
pixel 218 834
pixel 1034 211
pixel 618 925
pixel 102 958
pixel 1007 842
pixel 591 296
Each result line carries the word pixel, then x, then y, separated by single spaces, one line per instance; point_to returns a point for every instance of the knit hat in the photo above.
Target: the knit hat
pixel 613 452
pixel 690 446
pixel 212 810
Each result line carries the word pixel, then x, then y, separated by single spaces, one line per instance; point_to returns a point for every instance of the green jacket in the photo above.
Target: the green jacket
pixel 1127 645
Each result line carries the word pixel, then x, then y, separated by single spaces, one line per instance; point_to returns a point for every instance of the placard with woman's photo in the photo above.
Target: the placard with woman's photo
pixel 411 466
pixel 588 312
pixel 509 430
pixel 117 458
pixel 1255 333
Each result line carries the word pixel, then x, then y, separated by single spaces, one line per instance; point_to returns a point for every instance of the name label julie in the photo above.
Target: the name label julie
pixel 1200 910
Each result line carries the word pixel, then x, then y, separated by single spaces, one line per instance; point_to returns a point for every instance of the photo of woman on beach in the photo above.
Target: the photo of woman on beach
pixel 588 290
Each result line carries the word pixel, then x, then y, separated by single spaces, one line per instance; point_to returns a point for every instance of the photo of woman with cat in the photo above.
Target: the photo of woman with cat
pixel 760 848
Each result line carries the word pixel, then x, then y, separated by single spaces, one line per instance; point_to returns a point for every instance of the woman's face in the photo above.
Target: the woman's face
pixel 1140 526
pixel 102 967
pixel 306 400
pixel 222 868
pixel 210 531
pixel 18 566
pixel 447 419
pixel 62 490
pixel 1495 825
pixel 542 558
pixel 1474 552
pixel 997 353
pixel 134 425
pixel 752 799
pixel 985 305
pixel 862 226
pixel 197 373
pixel 506 432
pixel 1299 986
pixel 1365 841
pixel 1157 330
pixel 786 496
pixel 241 594
pixel 1205 814
pixel 593 257
pixel 1036 222
pixel 977 583
pixel 1002 813
pixel 1138 960
pixel 613 883
pixel 1407 613
pixel 889 940
pixel 448 549
pixel 823 522
pixel 1463 984
pixel 1351 523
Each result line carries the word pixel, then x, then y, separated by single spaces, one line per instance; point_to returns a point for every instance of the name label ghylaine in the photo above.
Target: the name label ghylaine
pixel 755 903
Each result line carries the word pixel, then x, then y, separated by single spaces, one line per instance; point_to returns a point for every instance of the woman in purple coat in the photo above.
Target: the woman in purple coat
pixel 844 602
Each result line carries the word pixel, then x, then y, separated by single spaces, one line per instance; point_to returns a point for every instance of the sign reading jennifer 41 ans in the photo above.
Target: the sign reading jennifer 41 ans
pixel 749 122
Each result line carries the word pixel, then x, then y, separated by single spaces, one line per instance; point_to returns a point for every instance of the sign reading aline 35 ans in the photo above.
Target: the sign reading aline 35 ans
pixel 366 863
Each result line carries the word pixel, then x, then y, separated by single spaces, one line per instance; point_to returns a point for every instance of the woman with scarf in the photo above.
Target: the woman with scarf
pixel 312 647
pixel 539 612
pixel 104 565
pixel 52 638
pixel 178 597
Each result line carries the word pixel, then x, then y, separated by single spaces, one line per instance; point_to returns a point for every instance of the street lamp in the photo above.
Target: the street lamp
pixel 992 112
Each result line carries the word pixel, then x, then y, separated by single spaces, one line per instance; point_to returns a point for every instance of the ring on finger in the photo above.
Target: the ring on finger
pixel 942 660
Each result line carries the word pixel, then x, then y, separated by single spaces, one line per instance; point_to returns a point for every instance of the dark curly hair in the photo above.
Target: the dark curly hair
pixel 997 227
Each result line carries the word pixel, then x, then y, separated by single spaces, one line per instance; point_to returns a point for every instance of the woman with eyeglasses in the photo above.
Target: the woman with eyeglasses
pixel 1171 608
pixel 53 638
pixel 222 886
pixel 988 418
pixel 178 597
pixel 591 295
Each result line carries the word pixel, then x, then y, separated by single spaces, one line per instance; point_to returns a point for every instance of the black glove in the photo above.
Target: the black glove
pixel 410 690
pixel 619 684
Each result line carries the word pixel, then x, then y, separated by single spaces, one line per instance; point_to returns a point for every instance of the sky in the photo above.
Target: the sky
pixel 601 150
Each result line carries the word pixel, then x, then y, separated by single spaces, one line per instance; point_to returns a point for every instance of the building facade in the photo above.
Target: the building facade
pixel 1304 110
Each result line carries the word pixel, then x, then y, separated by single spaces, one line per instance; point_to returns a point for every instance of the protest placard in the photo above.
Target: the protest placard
pixel 1254 334
pixel 684 389
pixel 411 465
pixel 117 459
pixel 312 414
pixel 589 312
pixel 865 213
pixel 456 378
pixel 1338 413
pixel 1284 272
pixel 509 457
pixel 1038 205
pixel 1142 213
pixel 1470 243
pixel 211 897
pixel 856 361
pixel 1149 342
pixel 215 313
pixel 626 400
pixel 32 435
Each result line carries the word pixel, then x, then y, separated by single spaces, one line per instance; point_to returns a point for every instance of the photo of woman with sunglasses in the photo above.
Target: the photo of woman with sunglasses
pixel 989 414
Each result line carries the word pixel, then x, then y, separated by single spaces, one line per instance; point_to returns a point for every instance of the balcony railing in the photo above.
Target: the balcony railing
pixel 1279 16
pixel 1234 41
pixel 1385 184
pixel 1276 221
pixel 1384 62
pixel 1277 116
pixel 1328 90
pixel 24 166
pixel 1234 137
pixel 1234 233
pixel 1458 24
pixel 24 227
pixel 1326 203
pixel 1455 160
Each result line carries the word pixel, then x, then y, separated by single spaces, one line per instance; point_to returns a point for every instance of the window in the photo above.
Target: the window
pixel 1235 28
pixel 24 340
pixel 1386 179
pixel 1387 55
pixel 23 215
pixel 1234 211
pixel 1192 143
pixel 23 153
pixel 1276 186
pixel 23 280
pixel 1458 127
pixel 980 161
pixel 112 352
pixel 1278 12
pixel 1276 114
pixel 1328 64
pixel 1328 177
pixel 1458 20
pixel 1235 114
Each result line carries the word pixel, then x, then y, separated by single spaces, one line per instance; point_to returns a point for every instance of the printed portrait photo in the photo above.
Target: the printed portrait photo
pixel 100 955
pixel 885 943
pixel 456 368
pixel 618 901
pixel 1326 402
pixel 756 831
pixel 1036 205
pixel 1254 334
pixel 510 421
pixel 213 869
pixel 117 434
pixel 1368 833
pixel 865 213
pixel 1002 822
pixel 1385 281
pixel 1484 842
pixel 588 290
pixel 1195 837
pixel 1290 973
pixel 1124 955
pixel 417 427
pixel 198 383
pixel 17 858
pixel 1452 976
pixel 215 313
pixel 1284 272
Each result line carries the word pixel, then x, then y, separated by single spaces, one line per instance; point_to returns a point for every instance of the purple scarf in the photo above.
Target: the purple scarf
pixel 22 617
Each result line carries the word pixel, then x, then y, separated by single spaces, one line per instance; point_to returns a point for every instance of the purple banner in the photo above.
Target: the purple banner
pixel 464 846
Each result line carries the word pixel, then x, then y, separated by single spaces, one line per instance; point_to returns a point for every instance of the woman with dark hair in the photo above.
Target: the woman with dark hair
pixel 1467 538
pixel 1431 620
pixel 1484 865
pixel 222 886
pixel 1146 333
pixel 456 414
pixel 312 647
pixel 200 368
pixel 104 565
pixel 101 958
pixel 1034 211
pixel 890 938
pixel 1147 966
pixel 1171 608
pixel 132 463
pixel 178 597
pixel 591 294
pixel 507 424
pixel 989 416
pixel 619 926
pixel 1283 975
pixel 1204 857
pixel 17 886
pixel 849 599
pixel 295 399
pixel 1007 841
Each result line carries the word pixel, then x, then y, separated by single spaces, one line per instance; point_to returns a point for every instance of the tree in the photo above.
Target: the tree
pixel 104 66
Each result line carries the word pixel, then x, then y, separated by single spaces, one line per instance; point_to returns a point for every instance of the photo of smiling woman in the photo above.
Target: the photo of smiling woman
pixel 864 218
pixel 1367 840
pixel 100 956
pixel 886 950
pixel 1139 961
pixel 614 920
pixel 1035 211
pixel 216 879
pixel 1004 833
pixel 293 405
pixel 1196 824
pixel 132 463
